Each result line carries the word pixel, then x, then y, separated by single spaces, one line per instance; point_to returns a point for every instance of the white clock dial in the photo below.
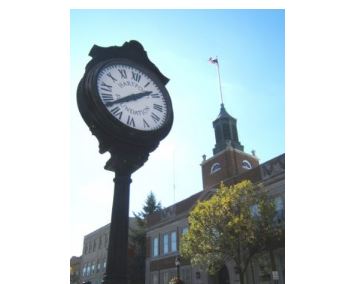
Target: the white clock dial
pixel 132 97
pixel 246 165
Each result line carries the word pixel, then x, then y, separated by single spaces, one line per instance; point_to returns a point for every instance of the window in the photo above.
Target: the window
pixel 166 243
pixel 215 168
pixel 166 275
pixel 173 241
pixel 279 207
pixel 184 230
pixel 279 203
pixel 93 268
pixel 154 278
pixel 156 246
pixel 226 132
pixel 100 242
pixel 218 133
pixel 98 266
pixel 246 165
pixel 104 264
pixel 88 269
pixel 255 211
pixel 234 132
pixel 186 275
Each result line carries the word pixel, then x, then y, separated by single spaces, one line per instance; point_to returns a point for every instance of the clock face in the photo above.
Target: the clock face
pixel 132 96
pixel 246 165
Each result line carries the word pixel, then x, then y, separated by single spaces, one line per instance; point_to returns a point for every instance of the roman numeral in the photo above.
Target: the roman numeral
pixel 107 97
pixel 113 79
pixel 116 111
pixel 155 117
pixel 123 73
pixel 130 122
pixel 155 96
pixel 158 107
pixel 147 84
pixel 106 87
pixel 145 123
pixel 136 76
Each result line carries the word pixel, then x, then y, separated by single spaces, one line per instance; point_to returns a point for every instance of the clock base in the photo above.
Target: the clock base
pixel 127 158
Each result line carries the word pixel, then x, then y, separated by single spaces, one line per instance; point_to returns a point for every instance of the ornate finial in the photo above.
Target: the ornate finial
pixel 132 50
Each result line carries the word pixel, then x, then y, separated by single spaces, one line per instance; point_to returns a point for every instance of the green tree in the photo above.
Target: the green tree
pixel 138 240
pixel 236 223
pixel 150 207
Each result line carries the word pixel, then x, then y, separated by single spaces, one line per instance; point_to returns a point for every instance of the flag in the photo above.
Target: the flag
pixel 213 61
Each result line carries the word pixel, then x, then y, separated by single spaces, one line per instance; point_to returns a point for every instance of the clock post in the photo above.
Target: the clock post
pixel 123 162
pixel 116 269
pixel 123 99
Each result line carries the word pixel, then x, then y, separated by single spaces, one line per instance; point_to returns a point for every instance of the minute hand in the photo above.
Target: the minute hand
pixel 132 97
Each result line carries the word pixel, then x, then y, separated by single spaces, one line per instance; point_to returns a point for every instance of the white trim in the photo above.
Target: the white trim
pixel 215 168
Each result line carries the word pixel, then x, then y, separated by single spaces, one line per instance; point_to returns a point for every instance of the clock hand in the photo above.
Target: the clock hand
pixel 132 97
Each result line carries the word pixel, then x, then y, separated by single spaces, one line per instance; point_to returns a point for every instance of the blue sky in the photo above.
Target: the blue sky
pixel 250 45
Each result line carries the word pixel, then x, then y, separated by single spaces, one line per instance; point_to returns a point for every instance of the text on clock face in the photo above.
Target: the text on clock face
pixel 131 97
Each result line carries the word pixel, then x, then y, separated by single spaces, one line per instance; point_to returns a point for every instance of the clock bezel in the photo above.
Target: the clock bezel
pixel 116 127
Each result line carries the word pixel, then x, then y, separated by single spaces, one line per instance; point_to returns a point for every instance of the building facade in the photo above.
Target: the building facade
pixel 94 255
pixel 75 267
pixel 231 165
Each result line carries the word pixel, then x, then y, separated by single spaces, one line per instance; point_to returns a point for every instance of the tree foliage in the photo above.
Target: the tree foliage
pixel 138 239
pixel 151 206
pixel 236 223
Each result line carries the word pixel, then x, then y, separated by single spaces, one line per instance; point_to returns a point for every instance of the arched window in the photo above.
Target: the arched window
pixel 215 168
pixel 246 165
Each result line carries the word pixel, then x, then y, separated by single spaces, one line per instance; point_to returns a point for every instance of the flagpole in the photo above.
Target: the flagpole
pixel 219 77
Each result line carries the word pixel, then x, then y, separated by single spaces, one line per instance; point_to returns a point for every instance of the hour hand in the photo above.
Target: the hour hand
pixel 132 97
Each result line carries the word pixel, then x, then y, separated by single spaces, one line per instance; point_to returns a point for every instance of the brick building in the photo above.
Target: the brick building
pixel 229 164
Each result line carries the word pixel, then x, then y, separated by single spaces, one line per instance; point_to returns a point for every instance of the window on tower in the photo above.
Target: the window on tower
pixel 226 132
pixel 215 168
pixel 234 133
pixel 218 134
pixel 246 165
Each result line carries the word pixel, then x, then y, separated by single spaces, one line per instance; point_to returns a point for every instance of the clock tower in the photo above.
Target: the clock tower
pixel 229 158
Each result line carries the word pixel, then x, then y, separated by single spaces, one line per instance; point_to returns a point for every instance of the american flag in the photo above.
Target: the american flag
pixel 213 61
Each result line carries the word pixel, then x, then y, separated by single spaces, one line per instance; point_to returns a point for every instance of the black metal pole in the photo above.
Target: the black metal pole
pixel 116 268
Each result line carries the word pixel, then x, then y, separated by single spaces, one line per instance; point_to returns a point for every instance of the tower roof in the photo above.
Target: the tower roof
pixel 224 114
pixel 225 130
